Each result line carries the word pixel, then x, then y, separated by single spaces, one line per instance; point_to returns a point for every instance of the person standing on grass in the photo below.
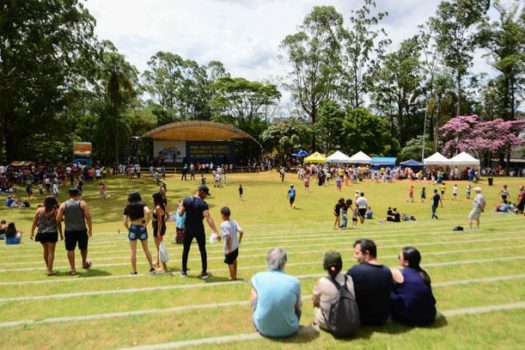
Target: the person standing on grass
pixel 75 213
pixel 291 196
pixel 241 191
pixel 423 194
pixel 160 215
pixel 180 225
pixel 455 192
pixel 46 220
pixel 478 208
pixel 362 205
pixel 468 191
pixel 196 209
pixel 338 208
pixel 275 298
pixel 436 199
pixel 442 188
pixel 136 219
pixel 411 193
pixel 521 200
pixel 229 230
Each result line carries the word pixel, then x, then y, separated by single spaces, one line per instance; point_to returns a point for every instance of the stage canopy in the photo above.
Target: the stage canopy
pixel 338 157
pixel 436 159
pixel 413 164
pixel 315 158
pixel 197 130
pixel 360 158
pixel 464 159
pixel 387 162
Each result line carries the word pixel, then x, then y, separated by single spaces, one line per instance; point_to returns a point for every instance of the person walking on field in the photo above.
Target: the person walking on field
pixel 478 208
pixel 48 230
pixel 362 205
pixel 291 196
pixel 436 199
pixel 75 213
pixel 196 210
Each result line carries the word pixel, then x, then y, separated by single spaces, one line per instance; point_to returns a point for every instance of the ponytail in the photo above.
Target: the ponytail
pixel 333 271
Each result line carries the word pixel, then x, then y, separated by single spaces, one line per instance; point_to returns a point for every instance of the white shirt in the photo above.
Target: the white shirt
pixel 479 202
pixel 361 203
pixel 230 228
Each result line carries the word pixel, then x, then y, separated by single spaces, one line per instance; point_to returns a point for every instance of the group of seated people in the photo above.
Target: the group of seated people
pixel 402 294
pixel 395 216
pixel 9 233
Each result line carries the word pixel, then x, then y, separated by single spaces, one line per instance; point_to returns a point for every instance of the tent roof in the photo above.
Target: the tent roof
pixel 464 159
pixel 383 160
pixel 436 159
pixel 315 158
pixel 411 162
pixel 338 157
pixel 360 158
pixel 197 130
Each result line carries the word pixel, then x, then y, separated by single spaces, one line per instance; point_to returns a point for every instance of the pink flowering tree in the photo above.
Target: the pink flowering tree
pixel 484 139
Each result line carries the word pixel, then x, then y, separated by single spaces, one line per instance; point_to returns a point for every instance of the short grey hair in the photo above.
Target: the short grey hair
pixel 276 259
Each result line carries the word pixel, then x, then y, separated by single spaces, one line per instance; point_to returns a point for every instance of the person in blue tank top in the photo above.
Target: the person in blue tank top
pixel 276 298
pixel 291 196
pixel 411 300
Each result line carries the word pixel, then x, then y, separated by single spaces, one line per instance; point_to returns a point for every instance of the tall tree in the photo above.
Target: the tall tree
pixel 314 53
pixel 505 40
pixel 285 135
pixel 363 44
pixel 329 126
pixel 456 37
pixel 48 50
pixel 365 131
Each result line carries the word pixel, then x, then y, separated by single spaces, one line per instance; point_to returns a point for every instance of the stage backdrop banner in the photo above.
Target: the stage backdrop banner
pixel 170 151
pixel 210 151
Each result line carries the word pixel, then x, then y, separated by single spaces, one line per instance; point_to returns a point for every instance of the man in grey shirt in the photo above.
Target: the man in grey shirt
pixel 75 213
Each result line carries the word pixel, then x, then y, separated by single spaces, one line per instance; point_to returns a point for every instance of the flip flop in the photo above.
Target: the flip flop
pixel 72 273
pixel 87 265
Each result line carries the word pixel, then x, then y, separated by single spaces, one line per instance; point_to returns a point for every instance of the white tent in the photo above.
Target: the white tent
pixel 338 157
pixel 464 160
pixel 360 158
pixel 436 159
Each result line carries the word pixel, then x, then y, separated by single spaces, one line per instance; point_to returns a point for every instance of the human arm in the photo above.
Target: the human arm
pixel 59 229
pixel 397 276
pixel 316 295
pixel 87 215
pixel 159 213
pixel 210 221
pixel 126 221
pixel 60 214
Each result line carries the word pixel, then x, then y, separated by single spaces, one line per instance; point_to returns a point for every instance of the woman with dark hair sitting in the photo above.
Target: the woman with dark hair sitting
pixel 48 230
pixel 412 301
pixel 325 291
pixel 136 219
pixel 12 235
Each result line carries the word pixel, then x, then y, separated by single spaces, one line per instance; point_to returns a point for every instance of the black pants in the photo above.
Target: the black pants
pixel 201 241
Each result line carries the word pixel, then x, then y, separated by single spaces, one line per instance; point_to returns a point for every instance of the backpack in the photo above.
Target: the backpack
pixel 344 317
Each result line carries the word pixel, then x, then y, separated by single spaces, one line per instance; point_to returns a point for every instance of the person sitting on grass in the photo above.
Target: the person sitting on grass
pixel 275 298
pixel 229 230
pixel 411 300
pixel 3 227
pixel 12 235
pixel 369 213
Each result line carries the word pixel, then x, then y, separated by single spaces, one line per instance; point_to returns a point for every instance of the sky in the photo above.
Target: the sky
pixel 243 34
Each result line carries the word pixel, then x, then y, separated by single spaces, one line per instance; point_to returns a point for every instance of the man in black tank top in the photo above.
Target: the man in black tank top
pixel 76 214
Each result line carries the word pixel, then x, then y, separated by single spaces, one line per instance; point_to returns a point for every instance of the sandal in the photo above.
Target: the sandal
pixel 50 273
pixel 72 273
pixel 87 265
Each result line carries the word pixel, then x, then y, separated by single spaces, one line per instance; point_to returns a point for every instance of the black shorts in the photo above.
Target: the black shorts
pixel 72 237
pixel 231 257
pixel 156 229
pixel 292 199
pixel 45 237
pixel 362 212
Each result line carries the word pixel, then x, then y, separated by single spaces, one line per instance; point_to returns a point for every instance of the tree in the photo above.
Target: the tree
pixel 398 90
pixel 48 51
pixel 286 135
pixel 364 131
pixel 505 40
pixel 314 53
pixel 329 126
pixel 362 46
pixel 413 148
pixel 455 36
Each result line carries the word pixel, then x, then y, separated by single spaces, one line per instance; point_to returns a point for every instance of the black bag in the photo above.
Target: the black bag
pixel 344 317
pixel 458 228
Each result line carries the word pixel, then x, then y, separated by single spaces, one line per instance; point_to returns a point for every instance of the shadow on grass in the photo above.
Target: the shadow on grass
pixel 394 327
pixel 93 273
pixel 305 334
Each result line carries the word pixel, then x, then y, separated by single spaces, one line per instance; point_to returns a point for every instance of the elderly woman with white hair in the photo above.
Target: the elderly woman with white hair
pixel 276 298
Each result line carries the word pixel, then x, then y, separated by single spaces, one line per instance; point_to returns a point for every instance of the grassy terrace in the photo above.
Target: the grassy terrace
pixel 105 307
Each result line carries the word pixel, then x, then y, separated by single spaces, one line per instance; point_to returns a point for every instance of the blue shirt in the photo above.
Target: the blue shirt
pixel 180 219
pixel 291 193
pixel 277 296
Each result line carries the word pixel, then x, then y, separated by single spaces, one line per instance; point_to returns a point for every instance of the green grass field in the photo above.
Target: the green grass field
pixel 477 275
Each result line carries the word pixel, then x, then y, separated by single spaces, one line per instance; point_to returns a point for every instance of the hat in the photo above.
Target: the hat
pixel 357 192
pixel 332 258
pixel 477 189
pixel 205 189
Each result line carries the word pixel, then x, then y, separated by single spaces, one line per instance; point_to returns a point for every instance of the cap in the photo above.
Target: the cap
pixel 332 258
pixel 205 189
pixel 477 189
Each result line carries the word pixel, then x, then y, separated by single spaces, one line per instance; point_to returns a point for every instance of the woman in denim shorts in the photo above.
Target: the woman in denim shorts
pixel 136 219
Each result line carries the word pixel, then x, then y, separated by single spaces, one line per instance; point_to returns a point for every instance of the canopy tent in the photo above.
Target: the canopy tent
pixel 360 158
pixel 315 158
pixel 301 153
pixel 383 162
pixel 338 157
pixel 464 160
pixel 436 159
pixel 413 164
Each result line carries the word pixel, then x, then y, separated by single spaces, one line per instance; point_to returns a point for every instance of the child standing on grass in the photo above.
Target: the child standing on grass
pixel 101 191
pixel 229 230
pixel 469 189
pixel 423 194
pixel 355 214
pixel 241 191
pixel 455 192
pixel 411 193
pixel 180 225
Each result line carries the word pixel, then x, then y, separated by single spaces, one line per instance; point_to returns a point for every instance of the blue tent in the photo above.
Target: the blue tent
pixel 413 164
pixel 383 162
pixel 301 153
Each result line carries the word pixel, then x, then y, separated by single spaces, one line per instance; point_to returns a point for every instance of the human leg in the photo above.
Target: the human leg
pixel 201 241
pixel 44 248
pixel 133 248
pixel 188 238
pixel 50 256
pixel 147 252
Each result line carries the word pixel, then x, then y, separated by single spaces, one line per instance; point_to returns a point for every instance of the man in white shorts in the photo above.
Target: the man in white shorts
pixel 478 208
